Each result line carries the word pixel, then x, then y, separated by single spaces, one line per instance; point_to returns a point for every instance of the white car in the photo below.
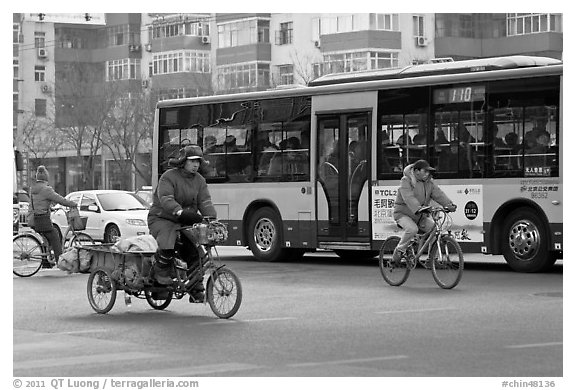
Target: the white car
pixel 111 214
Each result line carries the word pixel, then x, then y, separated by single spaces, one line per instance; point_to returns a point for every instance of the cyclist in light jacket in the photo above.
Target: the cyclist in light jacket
pixel 416 190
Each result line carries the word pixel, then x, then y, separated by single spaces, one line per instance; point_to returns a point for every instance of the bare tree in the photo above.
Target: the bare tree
pixel 38 137
pixel 128 129
pixel 81 115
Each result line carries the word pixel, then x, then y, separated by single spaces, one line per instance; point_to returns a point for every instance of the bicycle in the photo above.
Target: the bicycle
pixel 445 257
pixel 32 251
pixel 136 278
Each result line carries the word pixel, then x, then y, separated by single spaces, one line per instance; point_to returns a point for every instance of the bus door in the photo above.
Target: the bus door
pixel 342 172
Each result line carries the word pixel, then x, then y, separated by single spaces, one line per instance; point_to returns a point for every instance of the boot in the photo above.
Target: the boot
pixel 196 293
pixel 163 267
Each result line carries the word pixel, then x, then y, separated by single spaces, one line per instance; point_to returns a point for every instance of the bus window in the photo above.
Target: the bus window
pixel 458 143
pixel 527 115
pixel 540 149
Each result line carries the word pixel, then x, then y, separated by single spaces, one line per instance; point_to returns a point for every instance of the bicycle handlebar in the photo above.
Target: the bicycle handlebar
pixel 431 209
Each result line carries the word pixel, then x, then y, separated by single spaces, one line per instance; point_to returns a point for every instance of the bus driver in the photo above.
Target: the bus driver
pixel 416 190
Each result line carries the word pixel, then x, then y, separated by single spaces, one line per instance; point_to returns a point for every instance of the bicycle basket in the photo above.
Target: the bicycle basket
pixel 212 233
pixel 443 220
pixel 75 221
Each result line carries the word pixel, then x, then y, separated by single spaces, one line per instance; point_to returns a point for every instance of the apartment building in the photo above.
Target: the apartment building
pixel 63 62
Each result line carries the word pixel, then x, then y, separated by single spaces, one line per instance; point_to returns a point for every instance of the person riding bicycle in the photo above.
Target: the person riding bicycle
pixel 415 192
pixel 43 196
pixel 180 198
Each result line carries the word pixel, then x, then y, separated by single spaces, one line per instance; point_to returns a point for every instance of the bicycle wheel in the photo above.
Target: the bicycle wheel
pixel 101 291
pixel 395 274
pixel 154 300
pixel 448 263
pixel 27 255
pixel 224 293
pixel 79 239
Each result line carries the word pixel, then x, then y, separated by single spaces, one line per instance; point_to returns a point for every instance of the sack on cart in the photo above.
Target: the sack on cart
pixel 69 261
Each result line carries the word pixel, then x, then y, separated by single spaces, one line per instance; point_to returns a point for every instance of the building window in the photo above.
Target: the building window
pixel 39 73
pixel 418 21
pixel 39 39
pixel 244 32
pixel 522 24
pixel 127 34
pixel 15 33
pixel 181 61
pixel 40 107
pixel 16 68
pixel 197 28
pixel 356 61
pixel 387 22
pixel 284 35
pixel 286 73
pixel 124 69
pixel 333 25
pixel 383 60
pixel 243 76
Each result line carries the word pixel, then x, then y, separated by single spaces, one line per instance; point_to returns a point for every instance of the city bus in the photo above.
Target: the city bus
pixel 297 170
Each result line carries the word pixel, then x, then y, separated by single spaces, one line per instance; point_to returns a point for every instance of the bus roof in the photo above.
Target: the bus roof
pixel 414 75
pixel 465 66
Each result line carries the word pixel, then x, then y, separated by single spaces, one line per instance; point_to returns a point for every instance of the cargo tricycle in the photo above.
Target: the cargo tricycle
pixel 132 272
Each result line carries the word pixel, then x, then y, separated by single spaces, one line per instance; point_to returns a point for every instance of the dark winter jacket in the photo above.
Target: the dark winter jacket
pixel 414 194
pixel 43 196
pixel 179 189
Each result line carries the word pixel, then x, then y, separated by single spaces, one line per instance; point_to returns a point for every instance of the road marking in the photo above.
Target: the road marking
pixel 270 319
pixel 82 360
pixel 190 371
pixel 414 310
pixel 82 331
pixel 243 321
pixel 551 344
pixel 351 361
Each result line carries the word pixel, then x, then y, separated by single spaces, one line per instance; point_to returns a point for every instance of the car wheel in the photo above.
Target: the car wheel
pixel 111 234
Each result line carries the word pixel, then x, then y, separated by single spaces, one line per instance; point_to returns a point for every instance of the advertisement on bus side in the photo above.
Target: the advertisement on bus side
pixel 466 221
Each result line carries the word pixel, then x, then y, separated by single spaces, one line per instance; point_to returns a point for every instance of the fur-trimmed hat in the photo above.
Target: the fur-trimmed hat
pixel 42 173
pixel 188 152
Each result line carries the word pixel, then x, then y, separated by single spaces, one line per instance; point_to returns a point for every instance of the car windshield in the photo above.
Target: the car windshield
pixel 120 201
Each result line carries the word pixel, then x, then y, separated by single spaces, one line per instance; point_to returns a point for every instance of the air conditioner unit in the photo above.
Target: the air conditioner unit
pixel 42 52
pixel 144 83
pixel 421 41
pixel 317 43
pixel 134 48
pixel 148 47
pixel 205 39
pixel 45 88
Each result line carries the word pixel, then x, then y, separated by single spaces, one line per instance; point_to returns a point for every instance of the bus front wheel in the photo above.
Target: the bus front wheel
pixel 265 235
pixel 525 246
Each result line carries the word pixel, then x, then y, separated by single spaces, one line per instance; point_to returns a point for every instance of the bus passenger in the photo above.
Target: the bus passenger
pixel 180 198
pixel 416 190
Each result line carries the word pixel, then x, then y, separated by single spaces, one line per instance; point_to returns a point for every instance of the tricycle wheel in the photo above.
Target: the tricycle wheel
pixel 154 301
pixel 224 293
pixel 101 291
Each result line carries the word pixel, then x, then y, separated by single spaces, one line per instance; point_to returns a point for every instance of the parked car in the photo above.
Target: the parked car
pixel 111 214
pixel 146 194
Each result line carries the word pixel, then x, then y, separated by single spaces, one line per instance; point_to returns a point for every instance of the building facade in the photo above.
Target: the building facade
pixel 66 64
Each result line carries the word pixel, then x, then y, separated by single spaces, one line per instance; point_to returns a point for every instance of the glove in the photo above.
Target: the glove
pixel 189 217
pixel 451 208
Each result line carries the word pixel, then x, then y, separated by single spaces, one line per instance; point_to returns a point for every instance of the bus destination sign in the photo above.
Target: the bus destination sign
pixel 464 94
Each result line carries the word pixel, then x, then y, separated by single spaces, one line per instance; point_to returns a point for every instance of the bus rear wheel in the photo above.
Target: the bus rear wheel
pixel 525 246
pixel 265 235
